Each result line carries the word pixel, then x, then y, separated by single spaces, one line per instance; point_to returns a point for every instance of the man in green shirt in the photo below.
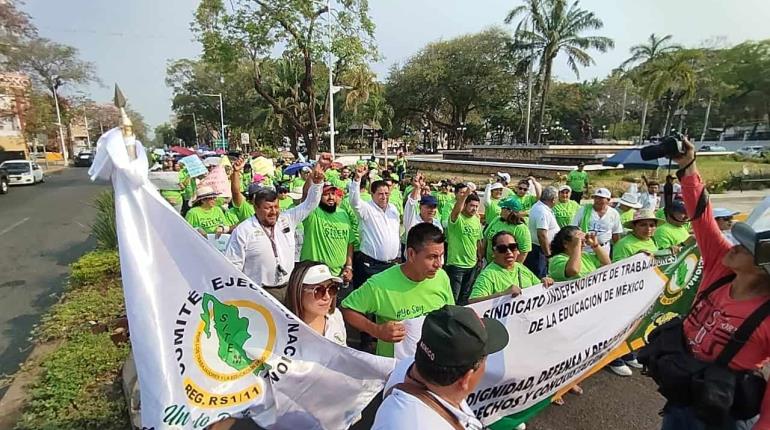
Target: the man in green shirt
pixel 285 201
pixel 464 251
pixel 505 273
pixel 566 208
pixel 522 193
pixel 674 231
pixel 395 195
pixel 493 193
pixel 343 180
pixel 642 227
pixel 188 188
pixel 328 234
pixel 578 181
pixel 446 201
pixel 511 220
pixel 404 291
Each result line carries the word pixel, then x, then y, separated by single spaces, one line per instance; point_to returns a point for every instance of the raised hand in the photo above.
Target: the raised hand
pixel 359 173
pixel 317 174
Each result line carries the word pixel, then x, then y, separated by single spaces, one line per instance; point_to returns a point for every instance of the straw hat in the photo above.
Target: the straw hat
pixel 204 192
pixel 641 215
pixel 631 200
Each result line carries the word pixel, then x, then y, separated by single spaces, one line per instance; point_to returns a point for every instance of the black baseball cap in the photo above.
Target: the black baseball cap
pixel 454 336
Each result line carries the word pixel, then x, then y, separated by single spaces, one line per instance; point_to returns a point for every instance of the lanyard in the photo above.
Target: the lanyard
pixel 271 238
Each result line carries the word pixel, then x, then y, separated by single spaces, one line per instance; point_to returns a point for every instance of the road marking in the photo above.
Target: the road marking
pixel 11 227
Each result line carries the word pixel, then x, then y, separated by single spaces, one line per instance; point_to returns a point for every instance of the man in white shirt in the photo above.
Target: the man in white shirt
pixel 380 225
pixel 263 246
pixel 543 227
pixel 601 219
pixel 649 196
pixel 429 391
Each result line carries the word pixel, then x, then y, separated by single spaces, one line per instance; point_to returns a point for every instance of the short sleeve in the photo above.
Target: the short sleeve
pixel 523 238
pixel 483 286
pixel 527 277
pixel 617 227
pixel 244 211
pixel 556 266
pixel 361 300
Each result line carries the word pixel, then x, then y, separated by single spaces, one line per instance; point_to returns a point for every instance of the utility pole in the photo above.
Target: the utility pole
pixel 88 133
pixel 56 83
pixel 529 92
pixel 221 115
pixel 706 121
pixel 331 82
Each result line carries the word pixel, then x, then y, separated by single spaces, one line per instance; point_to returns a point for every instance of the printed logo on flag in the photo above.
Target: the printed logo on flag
pixel 231 342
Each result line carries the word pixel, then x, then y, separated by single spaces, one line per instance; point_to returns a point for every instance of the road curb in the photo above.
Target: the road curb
pixel 13 401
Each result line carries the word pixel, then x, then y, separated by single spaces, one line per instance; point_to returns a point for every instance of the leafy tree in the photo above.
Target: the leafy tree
pixel 673 76
pixel 551 27
pixel 165 136
pixel 448 81
pixel 15 27
pixel 252 30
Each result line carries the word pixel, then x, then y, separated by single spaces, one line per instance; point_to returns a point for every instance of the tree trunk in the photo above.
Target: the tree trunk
pixel 543 96
pixel 664 130
pixel 644 120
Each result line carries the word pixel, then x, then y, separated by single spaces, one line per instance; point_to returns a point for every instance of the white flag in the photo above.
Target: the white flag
pixel 208 342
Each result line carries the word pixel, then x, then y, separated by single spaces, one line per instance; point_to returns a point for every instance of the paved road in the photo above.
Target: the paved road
pixel 43 228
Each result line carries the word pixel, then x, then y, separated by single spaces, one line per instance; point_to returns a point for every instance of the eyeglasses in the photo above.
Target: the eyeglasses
pixel 319 291
pixel 505 247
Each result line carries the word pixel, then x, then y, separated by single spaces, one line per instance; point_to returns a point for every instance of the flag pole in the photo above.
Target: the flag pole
pixel 126 126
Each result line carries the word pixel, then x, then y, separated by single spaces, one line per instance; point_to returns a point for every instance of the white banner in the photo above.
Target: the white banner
pixel 208 342
pixel 556 335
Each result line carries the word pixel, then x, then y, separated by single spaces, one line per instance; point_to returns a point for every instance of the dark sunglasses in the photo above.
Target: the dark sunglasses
pixel 319 291
pixel 725 218
pixel 523 188
pixel 506 247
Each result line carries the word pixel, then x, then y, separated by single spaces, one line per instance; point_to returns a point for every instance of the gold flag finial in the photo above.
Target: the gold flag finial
pixel 125 123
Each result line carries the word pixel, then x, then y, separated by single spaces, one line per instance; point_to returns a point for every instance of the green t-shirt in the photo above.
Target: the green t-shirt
pixel 492 209
pixel 285 203
pixel 398 202
pixel 206 220
pixel 189 190
pixel 463 236
pixel 341 183
pixel 627 215
pixel 446 201
pixel 631 245
pixel 172 196
pixel 527 201
pixel 297 183
pixel 577 180
pixel 496 279
pixel 557 264
pixel 391 296
pixel 520 233
pixel 564 212
pixel 327 236
pixel 668 235
pixel 242 212
pixel 354 221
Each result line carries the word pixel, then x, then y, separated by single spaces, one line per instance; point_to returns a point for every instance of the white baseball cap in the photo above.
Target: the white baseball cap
pixel 320 273
pixel 565 187
pixel 724 212
pixel 504 176
pixel 212 161
pixel 602 192
pixel 496 186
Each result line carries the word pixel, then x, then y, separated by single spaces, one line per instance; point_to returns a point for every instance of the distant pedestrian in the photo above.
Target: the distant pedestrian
pixel 578 181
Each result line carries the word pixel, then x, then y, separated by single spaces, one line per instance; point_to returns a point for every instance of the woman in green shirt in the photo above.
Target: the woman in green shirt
pixel 566 208
pixel 504 274
pixel 568 261
pixel 642 227
pixel 205 216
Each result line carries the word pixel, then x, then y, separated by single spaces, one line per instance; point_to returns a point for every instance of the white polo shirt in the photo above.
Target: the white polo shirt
pixel 335 328
pixel 412 217
pixel 541 217
pixel 251 250
pixel 400 410
pixel 379 228
pixel 604 226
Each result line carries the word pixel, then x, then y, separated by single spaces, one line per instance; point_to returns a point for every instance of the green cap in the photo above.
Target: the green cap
pixel 454 336
pixel 511 203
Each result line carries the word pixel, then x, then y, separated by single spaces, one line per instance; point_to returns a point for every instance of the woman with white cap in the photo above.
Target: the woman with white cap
pixel 726 333
pixel 627 206
pixel 312 296
pixel 205 216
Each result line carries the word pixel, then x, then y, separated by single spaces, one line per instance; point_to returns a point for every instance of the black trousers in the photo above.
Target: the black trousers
pixel 577 196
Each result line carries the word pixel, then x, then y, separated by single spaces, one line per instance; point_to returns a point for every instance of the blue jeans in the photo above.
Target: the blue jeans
pixel 684 418
pixel 461 281
pixel 536 262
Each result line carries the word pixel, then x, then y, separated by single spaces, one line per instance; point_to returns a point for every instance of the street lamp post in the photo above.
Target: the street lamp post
pixel 221 115
pixel 57 82
pixel 462 129
pixel 88 133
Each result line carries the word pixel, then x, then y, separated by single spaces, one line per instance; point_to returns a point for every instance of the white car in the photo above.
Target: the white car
pixel 751 151
pixel 712 148
pixel 23 172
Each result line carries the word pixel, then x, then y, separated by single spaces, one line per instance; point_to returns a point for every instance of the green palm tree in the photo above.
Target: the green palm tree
pixel 361 82
pixel 644 54
pixel 670 74
pixel 551 27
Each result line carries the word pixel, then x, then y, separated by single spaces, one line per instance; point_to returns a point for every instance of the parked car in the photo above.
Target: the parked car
pixel 751 151
pixel 23 172
pixel 84 159
pixel 712 148
pixel 4 180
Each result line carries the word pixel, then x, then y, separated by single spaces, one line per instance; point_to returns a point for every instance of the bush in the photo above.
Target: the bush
pixel 103 227
pixel 79 387
pixel 74 313
pixel 95 267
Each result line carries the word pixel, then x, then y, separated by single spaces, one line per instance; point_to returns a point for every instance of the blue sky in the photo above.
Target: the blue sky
pixel 130 41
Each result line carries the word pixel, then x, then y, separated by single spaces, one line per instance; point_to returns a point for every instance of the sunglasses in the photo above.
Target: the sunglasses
pixel 725 219
pixel 319 291
pixel 523 188
pixel 503 248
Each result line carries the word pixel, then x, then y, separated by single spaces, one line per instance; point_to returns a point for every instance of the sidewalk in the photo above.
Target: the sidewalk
pixel 741 201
